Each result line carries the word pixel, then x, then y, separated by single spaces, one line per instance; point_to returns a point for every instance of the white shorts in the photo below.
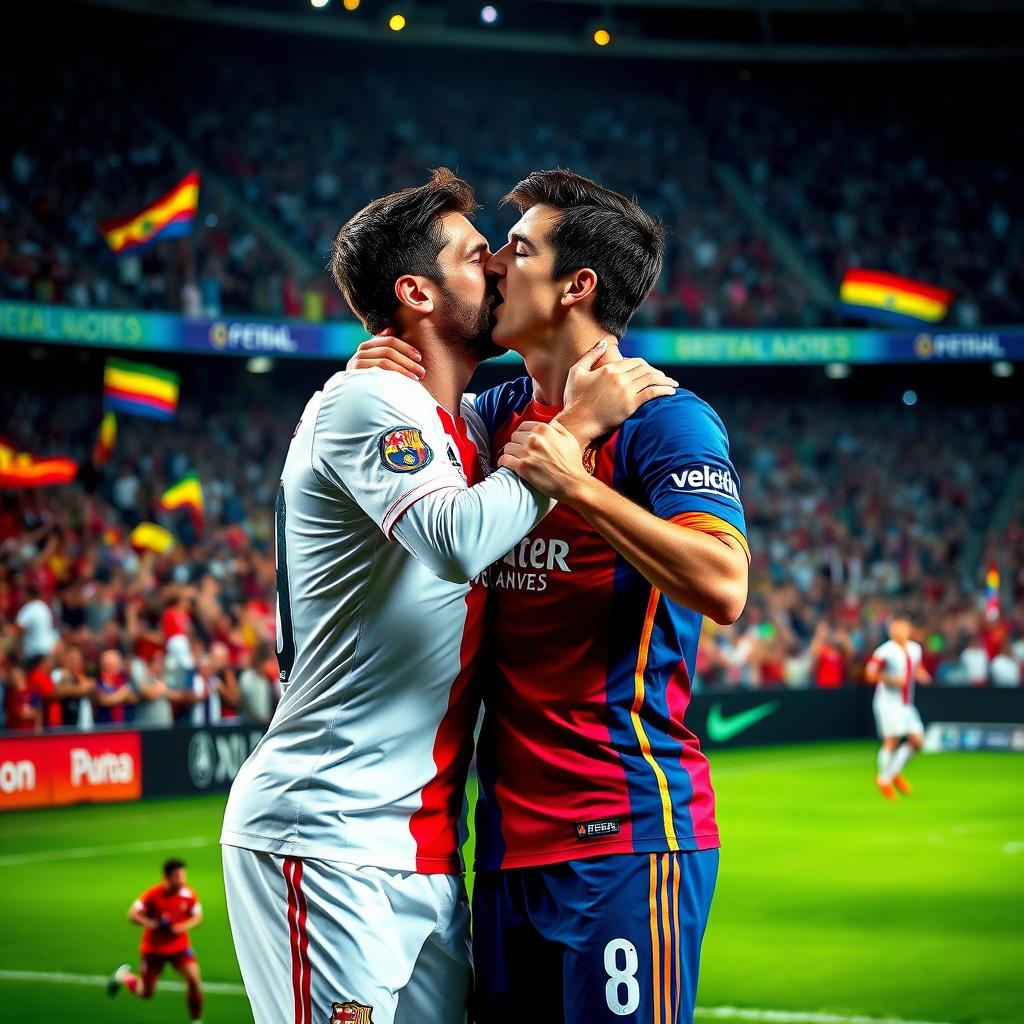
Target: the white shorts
pixel 321 941
pixel 894 718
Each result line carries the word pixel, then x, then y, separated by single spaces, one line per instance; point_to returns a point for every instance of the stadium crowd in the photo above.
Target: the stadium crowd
pixel 912 182
pixel 94 631
pixel 877 187
pixel 855 514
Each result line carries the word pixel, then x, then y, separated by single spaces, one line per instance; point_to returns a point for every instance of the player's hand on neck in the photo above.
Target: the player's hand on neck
pixel 602 391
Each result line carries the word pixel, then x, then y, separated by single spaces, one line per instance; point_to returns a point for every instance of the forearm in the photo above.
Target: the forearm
pixel 458 532
pixel 186 926
pixel 694 569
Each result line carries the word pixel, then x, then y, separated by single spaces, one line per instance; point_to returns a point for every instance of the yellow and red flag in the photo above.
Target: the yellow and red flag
pixel 106 438
pixel 889 298
pixel 22 469
pixel 152 537
pixel 171 216
pixel 186 493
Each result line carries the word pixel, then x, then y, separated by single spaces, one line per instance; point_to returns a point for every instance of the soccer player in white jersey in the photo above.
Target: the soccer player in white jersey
pixel 343 830
pixel 894 669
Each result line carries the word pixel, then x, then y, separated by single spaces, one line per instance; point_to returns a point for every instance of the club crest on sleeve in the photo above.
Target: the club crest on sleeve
pixel 403 450
pixel 351 1013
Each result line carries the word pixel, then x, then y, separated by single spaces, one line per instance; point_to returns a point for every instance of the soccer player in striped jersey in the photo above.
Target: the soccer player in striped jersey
pixel 597 847
pixel 894 669
pixel 343 830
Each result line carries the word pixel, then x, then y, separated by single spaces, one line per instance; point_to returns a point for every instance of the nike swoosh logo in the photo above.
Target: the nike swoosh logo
pixel 722 729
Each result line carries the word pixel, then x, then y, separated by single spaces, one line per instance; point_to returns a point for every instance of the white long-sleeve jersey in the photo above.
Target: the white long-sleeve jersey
pixel 385 516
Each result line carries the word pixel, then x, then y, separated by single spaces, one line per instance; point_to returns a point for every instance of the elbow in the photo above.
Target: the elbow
pixel 728 602
pixel 449 565
pixel 456 570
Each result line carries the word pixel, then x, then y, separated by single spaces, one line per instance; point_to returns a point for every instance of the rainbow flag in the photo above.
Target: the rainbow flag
pixel 186 493
pixel 151 537
pixel 140 390
pixel 992 583
pixel 106 438
pixel 21 469
pixel 889 298
pixel 171 216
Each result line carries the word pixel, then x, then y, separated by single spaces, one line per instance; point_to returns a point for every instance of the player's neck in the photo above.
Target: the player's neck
pixel 549 363
pixel 449 370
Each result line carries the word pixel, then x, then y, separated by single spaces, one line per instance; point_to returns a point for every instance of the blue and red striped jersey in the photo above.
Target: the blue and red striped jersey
pixel 584 748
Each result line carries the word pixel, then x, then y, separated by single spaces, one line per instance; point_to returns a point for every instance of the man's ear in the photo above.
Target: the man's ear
pixel 581 285
pixel 415 293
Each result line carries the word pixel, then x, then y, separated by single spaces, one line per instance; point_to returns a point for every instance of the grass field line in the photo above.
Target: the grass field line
pixel 729 1013
pixel 220 988
pixel 736 1013
pixel 84 852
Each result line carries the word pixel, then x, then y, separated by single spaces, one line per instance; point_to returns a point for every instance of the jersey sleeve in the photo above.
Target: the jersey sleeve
pixel 146 903
pixel 457 534
pixel 379 439
pixel 878 657
pixel 677 454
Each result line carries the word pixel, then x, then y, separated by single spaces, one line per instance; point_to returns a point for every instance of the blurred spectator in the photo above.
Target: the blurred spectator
pixel 1004 670
pixel 154 707
pixel 75 689
pixel 21 713
pixel 256 697
pixel 974 662
pixel 35 620
pixel 114 695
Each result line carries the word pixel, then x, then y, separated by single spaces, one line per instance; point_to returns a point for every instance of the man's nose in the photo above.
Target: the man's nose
pixel 495 265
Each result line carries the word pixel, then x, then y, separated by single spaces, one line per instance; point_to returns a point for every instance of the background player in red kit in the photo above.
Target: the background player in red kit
pixel 597 847
pixel 168 912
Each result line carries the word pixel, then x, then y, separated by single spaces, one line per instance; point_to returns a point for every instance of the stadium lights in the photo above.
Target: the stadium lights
pixel 259 364
pixel 1002 368
pixel 489 15
pixel 910 398
pixel 602 37
pixel 350 5
pixel 838 371
pixel 396 22
pixel 319 3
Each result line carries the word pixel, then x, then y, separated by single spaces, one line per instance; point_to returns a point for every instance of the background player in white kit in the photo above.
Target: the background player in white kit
pixel 342 833
pixel 895 668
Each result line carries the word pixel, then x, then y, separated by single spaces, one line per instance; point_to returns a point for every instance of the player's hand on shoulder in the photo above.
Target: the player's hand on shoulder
pixel 547 456
pixel 604 390
pixel 387 352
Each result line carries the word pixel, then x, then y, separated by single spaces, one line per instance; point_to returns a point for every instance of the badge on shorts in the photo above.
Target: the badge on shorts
pixel 403 450
pixel 351 1013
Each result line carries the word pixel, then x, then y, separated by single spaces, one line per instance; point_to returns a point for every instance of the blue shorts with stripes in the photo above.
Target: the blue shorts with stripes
pixel 605 939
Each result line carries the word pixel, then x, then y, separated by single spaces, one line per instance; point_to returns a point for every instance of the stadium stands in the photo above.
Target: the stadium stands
pixel 842 535
pixel 910 198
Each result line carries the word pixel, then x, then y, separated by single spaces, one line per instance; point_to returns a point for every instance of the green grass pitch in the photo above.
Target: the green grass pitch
pixel 830 900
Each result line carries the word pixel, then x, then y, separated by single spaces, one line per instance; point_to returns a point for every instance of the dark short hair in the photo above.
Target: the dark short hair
pixel 172 865
pixel 395 235
pixel 603 230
